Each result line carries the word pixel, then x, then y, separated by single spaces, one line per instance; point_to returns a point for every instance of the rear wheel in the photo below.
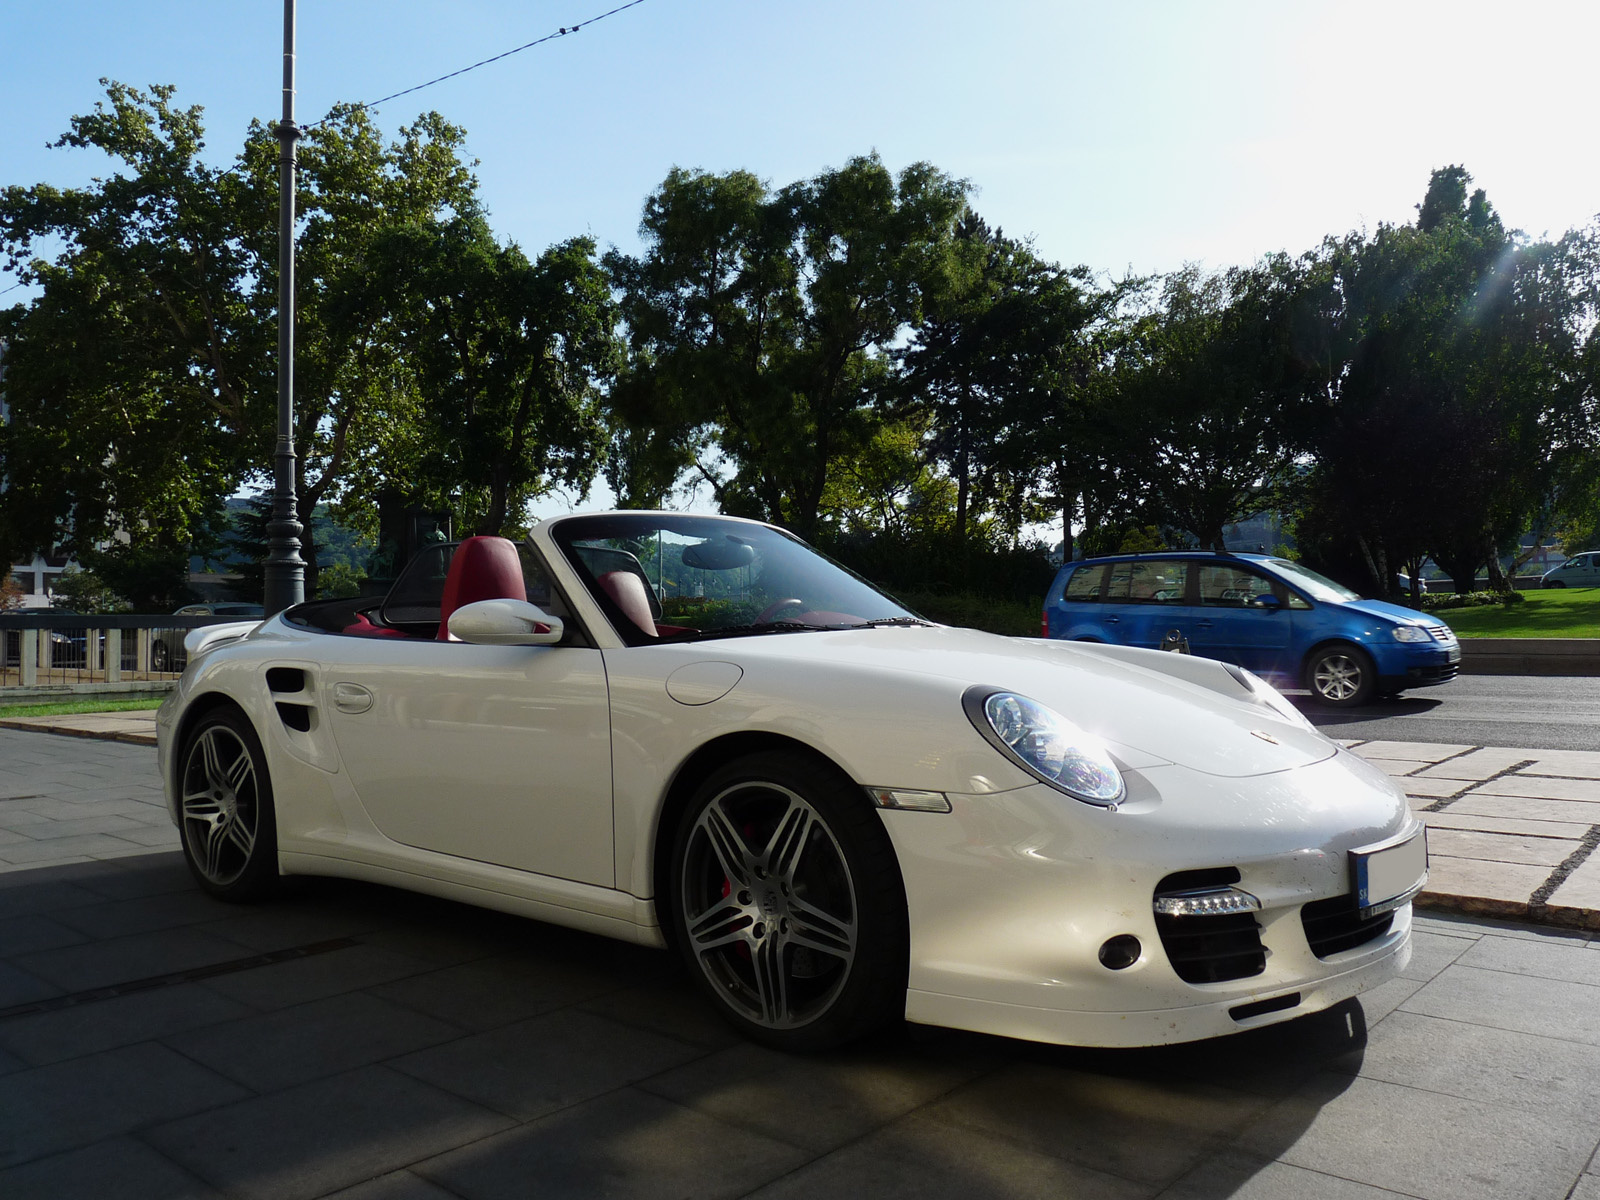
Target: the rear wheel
pixel 786 903
pixel 1341 675
pixel 229 829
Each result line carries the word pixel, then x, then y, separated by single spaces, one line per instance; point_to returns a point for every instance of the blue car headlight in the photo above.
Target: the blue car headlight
pixel 1045 744
pixel 1411 633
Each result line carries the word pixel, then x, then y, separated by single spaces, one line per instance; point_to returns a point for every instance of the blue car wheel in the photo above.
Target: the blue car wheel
pixel 1341 675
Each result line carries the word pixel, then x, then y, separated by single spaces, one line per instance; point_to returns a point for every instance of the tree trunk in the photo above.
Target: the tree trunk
pixel 963 481
pixel 1498 582
pixel 1377 559
pixel 1069 509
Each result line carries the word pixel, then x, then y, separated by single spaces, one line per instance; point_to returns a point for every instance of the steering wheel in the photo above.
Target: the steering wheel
pixel 773 610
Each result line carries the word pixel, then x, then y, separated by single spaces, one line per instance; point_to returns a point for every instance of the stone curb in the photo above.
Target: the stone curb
pixel 65 728
pixel 1530 656
pixel 1559 915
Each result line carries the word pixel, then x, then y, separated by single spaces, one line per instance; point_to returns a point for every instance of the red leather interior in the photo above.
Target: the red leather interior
pixel 483 568
pixel 627 591
pixel 365 628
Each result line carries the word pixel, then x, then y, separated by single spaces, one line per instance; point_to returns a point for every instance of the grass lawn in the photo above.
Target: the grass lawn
pixel 1547 613
pixel 69 707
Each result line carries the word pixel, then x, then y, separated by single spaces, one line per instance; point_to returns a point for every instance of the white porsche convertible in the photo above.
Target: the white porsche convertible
pixel 697 732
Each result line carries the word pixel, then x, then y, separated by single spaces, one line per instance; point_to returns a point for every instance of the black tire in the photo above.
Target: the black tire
pixel 1341 675
pixel 226 816
pixel 1556 583
pixel 785 901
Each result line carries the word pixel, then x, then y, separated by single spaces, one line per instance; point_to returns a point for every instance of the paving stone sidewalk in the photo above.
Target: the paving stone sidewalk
pixel 357 1041
pixel 1511 833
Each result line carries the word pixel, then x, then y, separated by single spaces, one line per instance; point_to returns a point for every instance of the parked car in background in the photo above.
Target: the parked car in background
pixel 1581 570
pixel 1270 615
pixel 68 648
pixel 166 649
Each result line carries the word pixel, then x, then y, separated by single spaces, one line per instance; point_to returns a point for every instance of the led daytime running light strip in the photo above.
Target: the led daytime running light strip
pixel 1220 902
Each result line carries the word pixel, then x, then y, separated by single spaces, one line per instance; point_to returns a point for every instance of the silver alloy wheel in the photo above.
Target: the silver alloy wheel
pixel 1337 677
pixel 769 905
pixel 220 805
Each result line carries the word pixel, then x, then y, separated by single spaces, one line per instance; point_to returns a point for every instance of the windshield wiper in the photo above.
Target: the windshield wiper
pixel 883 622
pixel 747 630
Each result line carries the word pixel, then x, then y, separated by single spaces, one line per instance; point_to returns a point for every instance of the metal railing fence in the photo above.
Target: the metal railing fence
pixel 45 649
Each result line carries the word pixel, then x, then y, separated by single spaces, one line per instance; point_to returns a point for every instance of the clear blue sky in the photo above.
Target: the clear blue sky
pixel 1143 134
pixel 1121 135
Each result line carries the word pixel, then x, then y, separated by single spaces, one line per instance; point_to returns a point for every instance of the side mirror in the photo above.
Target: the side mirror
pixel 505 623
pixel 1267 601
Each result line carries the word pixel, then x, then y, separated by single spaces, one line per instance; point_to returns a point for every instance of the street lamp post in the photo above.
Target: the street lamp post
pixel 285 574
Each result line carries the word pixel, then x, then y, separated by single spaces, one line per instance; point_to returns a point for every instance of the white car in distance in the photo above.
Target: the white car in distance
pixel 696 732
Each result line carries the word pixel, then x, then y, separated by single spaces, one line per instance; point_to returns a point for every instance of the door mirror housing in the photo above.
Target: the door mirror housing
pixel 505 623
pixel 1267 601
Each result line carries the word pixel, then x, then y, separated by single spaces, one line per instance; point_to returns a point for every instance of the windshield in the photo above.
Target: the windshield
pixel 1318 587
pixel 670 576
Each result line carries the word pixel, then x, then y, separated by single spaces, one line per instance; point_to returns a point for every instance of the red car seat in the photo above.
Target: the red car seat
pixel 627 591
pixel 483 568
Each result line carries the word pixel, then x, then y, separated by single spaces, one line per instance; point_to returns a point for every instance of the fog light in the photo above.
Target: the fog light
pixel 1213 902
pixel 1120 952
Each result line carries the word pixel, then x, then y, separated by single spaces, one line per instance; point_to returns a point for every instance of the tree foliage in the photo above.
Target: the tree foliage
pixel 762 324
pixel 857 356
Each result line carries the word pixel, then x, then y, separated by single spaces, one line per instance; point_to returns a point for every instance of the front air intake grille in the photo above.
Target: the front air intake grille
pixel 1209 949
pixel 1335 924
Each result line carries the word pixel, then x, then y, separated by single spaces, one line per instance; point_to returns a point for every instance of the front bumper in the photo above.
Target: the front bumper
pixel 1012 896
pixel 1411 666
pixel 1157 1027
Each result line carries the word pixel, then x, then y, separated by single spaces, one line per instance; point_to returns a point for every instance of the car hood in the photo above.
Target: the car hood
pixel 1391 612
pixel 1151 708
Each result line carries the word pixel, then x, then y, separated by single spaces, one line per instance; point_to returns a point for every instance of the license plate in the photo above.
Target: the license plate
pixel 1389 876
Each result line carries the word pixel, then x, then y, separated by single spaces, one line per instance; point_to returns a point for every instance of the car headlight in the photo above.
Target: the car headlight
pixel 1411 633
pixel 1265 693
pixel 1045 744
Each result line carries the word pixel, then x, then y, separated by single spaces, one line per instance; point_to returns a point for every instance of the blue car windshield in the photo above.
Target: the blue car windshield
pixel 679 576
pixel 1318 587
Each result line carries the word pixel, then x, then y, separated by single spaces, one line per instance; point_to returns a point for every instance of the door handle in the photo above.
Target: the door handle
pixel 1202 624
pixel 1112 620
pixel 351 698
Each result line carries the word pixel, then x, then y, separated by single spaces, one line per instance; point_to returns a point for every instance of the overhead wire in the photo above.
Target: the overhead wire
pixel 563 31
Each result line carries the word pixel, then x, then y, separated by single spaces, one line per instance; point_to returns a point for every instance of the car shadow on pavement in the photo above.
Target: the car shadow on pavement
pixel 353 1034
pixel 1322 715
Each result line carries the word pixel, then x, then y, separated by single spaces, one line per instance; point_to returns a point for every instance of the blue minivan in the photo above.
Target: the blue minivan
pixel 1270 615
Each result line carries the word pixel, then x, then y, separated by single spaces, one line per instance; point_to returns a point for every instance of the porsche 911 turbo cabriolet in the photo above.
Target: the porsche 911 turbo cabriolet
pixel 696 732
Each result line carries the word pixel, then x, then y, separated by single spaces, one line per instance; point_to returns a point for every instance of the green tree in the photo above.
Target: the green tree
pixel 507 355
pixel 1445 360
pixel 998 366
pixel 142 382
pixel 130 379
pixel 1204 399
pixel 763 324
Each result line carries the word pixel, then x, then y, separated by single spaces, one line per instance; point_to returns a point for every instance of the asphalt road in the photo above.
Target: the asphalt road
pixel 1537 712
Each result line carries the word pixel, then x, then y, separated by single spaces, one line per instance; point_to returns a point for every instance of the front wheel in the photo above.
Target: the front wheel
pixel 1343 676
pixel 786 903
pixel 1556 583
pixel 229 828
